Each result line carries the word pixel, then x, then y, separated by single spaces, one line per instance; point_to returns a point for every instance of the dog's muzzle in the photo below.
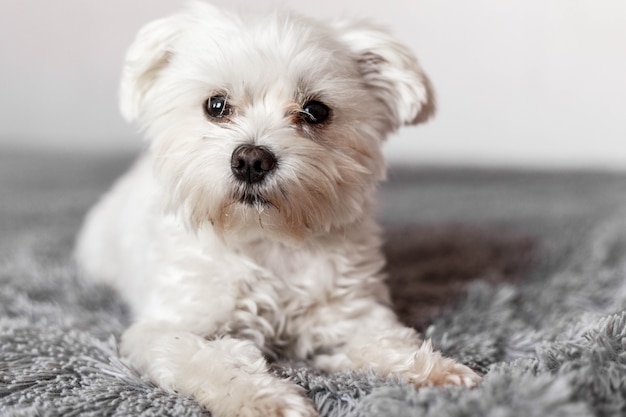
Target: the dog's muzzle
pixel 251 163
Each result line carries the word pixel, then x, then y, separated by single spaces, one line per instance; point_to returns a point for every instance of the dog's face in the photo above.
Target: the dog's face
pixel 269 125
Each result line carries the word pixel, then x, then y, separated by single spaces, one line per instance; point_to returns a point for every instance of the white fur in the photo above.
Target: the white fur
pixel 216 285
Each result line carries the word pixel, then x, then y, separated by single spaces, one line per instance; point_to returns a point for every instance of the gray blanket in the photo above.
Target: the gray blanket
pixel 520 275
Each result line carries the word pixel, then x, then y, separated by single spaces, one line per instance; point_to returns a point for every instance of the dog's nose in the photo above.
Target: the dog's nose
pixel 252 163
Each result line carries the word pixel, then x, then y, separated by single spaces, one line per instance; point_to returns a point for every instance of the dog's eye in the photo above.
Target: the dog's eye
pixel 217 107
pixel 315 112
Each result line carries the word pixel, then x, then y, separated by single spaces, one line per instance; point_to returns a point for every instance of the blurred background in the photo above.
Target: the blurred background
pixel 520 83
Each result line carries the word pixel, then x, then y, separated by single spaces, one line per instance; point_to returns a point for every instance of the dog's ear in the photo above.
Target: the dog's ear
pixel 147 56
pixel 391 71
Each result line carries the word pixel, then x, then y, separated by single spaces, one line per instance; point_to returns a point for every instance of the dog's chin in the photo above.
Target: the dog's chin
pixel 252 217
pixel 250 214
pixel 253 199
pixel 253 213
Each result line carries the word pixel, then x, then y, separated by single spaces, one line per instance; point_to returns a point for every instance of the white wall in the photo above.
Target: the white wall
pixel 519 82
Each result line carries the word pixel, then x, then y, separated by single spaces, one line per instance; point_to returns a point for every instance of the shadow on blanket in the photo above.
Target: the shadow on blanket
pixel 431 267
pixel 520 275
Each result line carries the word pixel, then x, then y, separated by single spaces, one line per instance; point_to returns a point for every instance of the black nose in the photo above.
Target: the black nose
pixel 251 163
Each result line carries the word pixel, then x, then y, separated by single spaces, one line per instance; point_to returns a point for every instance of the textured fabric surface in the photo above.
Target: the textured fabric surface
pixel 519 275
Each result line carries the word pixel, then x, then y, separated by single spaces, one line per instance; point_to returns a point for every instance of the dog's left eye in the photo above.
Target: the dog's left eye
pixel 217 107
pixel 315 112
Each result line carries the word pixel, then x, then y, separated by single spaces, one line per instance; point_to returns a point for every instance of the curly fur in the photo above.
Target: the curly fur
pixel 222 274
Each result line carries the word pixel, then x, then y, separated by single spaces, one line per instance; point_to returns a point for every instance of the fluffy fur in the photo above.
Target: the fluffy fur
pixel 221 273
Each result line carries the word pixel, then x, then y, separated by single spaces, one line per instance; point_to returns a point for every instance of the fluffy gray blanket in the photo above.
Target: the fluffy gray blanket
pixel 522 276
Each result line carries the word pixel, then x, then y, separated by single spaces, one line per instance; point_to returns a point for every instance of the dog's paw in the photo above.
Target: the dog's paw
pixel 289 405
pixel 457 374
pixel 430 368
pixel 260 396
pixel 451 374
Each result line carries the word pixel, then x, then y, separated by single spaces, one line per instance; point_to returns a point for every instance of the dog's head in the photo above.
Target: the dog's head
pixel 270 124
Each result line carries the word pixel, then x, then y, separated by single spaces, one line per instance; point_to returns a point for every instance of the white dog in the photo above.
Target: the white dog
pixel 246 229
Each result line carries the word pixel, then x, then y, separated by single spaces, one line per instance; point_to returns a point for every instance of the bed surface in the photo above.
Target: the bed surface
pixel 519 274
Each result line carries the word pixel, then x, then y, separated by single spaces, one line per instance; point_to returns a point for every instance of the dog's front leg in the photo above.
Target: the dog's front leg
pixel 226 375
pixel 374 339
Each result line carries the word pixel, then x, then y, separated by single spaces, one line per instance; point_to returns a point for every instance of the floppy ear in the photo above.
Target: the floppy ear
pixel 392 72
pixel 149 53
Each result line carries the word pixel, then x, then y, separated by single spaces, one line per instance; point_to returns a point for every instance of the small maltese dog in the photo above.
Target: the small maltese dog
pixel 245 231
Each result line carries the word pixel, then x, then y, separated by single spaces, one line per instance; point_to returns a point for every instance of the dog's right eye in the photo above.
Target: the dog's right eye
pixel 315 112
pixel 217 107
